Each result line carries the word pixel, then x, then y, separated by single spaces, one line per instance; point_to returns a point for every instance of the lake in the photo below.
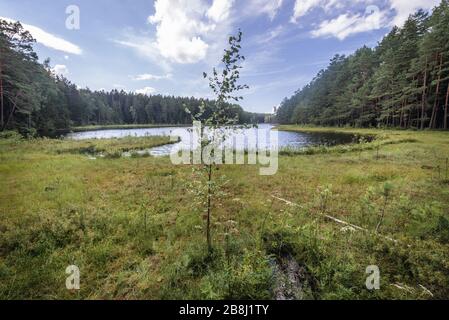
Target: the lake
pixel 285 138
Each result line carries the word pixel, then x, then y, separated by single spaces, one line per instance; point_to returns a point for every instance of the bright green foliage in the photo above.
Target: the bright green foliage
pixel 216 123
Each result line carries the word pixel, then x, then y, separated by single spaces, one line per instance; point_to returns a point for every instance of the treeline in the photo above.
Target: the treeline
pixel 33 100
pixel 403 82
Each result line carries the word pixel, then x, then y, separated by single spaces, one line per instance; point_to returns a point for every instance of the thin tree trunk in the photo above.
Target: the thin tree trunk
pixel 445 108
pixel 11 113
pixel 404 120
pixel 209 191
pixel 2 120
pixel 382 215
pixel 423 97
pixel 433 121
pixel 412 118
pixel 401 118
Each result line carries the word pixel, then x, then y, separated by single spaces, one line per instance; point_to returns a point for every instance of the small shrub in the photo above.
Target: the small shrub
pixel 441 229
pixel 247 277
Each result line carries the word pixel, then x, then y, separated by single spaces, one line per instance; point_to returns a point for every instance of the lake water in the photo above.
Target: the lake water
pixel 285 138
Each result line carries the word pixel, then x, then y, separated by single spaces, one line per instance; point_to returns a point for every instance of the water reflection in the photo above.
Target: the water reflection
pixel 285 138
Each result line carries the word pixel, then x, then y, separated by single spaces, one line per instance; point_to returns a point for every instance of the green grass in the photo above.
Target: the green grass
pixel 132 228
pixel 109 147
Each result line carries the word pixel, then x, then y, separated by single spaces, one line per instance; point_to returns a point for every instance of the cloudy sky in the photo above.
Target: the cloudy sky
pixel 163 46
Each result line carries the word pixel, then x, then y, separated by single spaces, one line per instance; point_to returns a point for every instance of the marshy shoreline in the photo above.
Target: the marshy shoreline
pixel 131 227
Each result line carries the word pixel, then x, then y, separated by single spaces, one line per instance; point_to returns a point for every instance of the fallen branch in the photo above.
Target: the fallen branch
pixel 344 222
pixel 402 287
pixel 287 202
pixel 426 290
pixel 336 220
pixel 409 289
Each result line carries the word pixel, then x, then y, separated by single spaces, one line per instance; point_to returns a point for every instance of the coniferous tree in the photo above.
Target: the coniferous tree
pixel 34 100
pixel 403 82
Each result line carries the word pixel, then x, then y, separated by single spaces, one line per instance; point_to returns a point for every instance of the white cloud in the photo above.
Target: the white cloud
pixel 401 8
pixel 146 91
pixel 347 24
pixel 48 39
pixel 192 31
pixel 269 35
pixel 268 7
pixel 148 76
pixel 187 32
pixel 220 10
pixel 180 28
pixel 302 7
pixel 118 86
pixel 144 47
pixel 60 70
pixel 404 8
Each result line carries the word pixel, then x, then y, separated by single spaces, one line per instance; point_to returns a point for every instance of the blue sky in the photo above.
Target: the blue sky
pixel 163 46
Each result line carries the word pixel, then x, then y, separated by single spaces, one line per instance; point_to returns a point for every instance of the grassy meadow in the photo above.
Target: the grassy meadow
pixel 131 226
